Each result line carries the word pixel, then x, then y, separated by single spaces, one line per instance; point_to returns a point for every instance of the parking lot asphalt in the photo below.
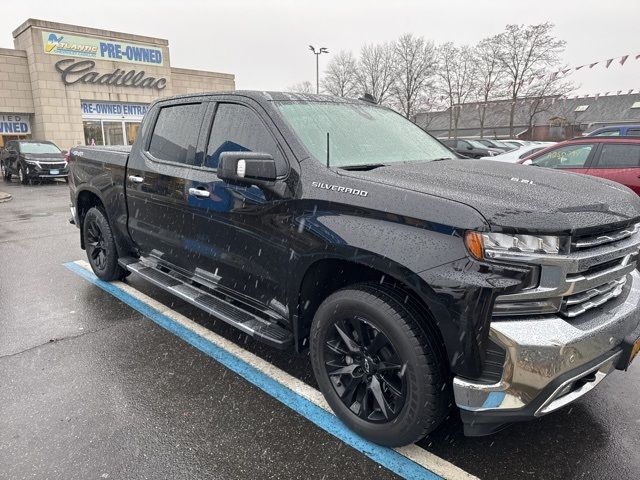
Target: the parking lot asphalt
pixel 91 388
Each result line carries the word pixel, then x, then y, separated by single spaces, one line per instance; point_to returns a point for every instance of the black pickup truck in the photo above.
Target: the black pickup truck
pixel 413 277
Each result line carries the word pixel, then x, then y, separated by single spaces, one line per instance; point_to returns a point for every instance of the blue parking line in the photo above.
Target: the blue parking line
pixel 386 457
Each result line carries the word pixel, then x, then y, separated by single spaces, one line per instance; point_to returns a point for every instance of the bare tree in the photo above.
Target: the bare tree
pixel 457 80
pixel 543 93
pixel 490 76
pixel 376 70
pixel 341 75
pixel 302 87
pixel 526 53
pixel 415 67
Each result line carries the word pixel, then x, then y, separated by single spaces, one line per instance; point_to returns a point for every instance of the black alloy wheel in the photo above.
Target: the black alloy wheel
pixel 380 363
pixel 95 244
pixel 365 370
pixel 100 246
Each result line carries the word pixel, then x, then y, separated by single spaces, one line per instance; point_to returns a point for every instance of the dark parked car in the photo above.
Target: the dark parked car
pixel 617 131
pixel 613 158
pixel 33 160
pixel 414 277
pixel 471 148
pixel 496 144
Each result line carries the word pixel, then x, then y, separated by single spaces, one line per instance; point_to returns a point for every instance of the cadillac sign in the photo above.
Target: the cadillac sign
pixel 72 71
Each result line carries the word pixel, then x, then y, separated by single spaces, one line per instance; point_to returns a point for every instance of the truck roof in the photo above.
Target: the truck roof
pixel 270 96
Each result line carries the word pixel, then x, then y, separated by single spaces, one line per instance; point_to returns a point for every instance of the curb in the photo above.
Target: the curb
pixel 5 197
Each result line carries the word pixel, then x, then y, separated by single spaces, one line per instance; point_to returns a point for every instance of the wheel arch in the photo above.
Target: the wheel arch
pixel 322 277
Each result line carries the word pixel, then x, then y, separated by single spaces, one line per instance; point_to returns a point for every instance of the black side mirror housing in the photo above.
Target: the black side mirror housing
pixel 469 147
pixel 252 168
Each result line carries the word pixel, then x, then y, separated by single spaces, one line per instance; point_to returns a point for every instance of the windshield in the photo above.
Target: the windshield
pixel 33 147
pixel 359 134
pixel 476 144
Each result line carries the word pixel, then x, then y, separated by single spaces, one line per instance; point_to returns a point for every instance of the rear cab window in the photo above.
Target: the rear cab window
pixel 175 133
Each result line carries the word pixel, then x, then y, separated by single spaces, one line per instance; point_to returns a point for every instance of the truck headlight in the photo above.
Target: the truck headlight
pixel 484 245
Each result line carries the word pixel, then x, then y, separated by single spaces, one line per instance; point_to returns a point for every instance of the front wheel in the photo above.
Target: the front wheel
pixel 101 246
pixel 380 370
pixel 6 174
pixel 22 175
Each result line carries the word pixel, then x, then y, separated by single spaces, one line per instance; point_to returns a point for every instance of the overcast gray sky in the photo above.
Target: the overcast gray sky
pixel 265 43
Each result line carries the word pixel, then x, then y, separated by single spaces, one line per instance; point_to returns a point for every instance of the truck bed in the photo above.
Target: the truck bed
pixel 116 154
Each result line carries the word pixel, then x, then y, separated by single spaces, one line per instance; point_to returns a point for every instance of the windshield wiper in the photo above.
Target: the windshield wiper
pixel 363 166
pixel 442 158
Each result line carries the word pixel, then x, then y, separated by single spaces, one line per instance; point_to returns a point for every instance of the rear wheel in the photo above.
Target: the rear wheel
pixel 101 246
pixel 381 373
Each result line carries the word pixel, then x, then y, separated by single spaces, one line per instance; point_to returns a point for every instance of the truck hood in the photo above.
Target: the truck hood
pixel 517 197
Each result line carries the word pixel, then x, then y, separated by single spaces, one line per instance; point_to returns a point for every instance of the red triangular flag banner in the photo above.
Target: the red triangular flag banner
pixel 567 70
pixel 578 68
pixel 623 59
pixel 595 63
pixel 609 62
pixel 619 92
pixel 630 92
pixel 596 96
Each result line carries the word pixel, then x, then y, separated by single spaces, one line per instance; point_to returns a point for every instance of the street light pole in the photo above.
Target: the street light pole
pixel 317 53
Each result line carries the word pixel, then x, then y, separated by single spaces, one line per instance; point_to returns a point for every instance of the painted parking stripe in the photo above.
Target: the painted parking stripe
pixel 409 462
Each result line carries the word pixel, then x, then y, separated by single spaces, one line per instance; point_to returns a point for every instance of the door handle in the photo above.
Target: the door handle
pixel 135 179
pixel 199 192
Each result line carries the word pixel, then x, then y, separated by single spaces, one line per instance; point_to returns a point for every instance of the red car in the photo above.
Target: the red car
pixel 615 158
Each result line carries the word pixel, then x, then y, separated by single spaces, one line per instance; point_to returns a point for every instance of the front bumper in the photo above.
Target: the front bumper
pixel 41 170
pixel 550 361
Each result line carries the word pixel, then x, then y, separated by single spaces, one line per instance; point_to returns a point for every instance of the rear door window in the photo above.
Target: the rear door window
pixel 633 132
pixel 175 133
pixel 619 156
pixel 570 156
pixel 237 128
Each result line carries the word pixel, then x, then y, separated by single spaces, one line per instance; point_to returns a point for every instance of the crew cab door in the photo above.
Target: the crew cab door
pixel 239 230
pixel 158 182
pixel 619 162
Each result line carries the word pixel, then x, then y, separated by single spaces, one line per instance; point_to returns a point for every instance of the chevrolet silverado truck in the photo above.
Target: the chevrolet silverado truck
pixel 412 277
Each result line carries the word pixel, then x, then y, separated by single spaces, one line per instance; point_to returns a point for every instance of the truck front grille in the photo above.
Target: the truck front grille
pixel 589 241
pixel 593 273
pixel 577 304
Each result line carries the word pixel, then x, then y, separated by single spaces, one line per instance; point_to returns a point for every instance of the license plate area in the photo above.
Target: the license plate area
pixel 54 172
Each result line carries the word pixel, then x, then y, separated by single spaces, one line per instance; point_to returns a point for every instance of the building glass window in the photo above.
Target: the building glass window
pixel 93 133
pixel 131 129
pixel 113 134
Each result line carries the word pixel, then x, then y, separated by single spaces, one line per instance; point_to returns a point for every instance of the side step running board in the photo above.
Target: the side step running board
pixel 269 332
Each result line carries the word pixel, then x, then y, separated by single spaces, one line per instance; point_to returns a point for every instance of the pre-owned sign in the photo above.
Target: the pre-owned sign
pixel 107 110
pixel 56 43
pixel 14 124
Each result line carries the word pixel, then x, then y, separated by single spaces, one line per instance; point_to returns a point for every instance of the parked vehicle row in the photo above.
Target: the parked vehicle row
pixel 612 158
pixel 616 131
pixel 471 148
pixel 33 160
pixel 414 277
pixel 520 153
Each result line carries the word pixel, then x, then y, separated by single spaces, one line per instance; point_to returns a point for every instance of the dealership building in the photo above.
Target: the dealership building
pixel 77 85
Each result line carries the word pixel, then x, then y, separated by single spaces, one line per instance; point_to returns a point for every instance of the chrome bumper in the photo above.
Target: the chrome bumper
pixel 551 361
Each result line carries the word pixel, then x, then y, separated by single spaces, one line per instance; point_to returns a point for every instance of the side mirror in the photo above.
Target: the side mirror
pixel 469 147
pixel 250 168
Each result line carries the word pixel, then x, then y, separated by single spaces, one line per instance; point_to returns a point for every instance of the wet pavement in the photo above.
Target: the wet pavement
pixel 90 388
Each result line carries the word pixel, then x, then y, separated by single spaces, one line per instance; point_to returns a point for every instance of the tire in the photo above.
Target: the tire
pixel 101 246
pixel 410 371
pixel 22 175
pixel 6 174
